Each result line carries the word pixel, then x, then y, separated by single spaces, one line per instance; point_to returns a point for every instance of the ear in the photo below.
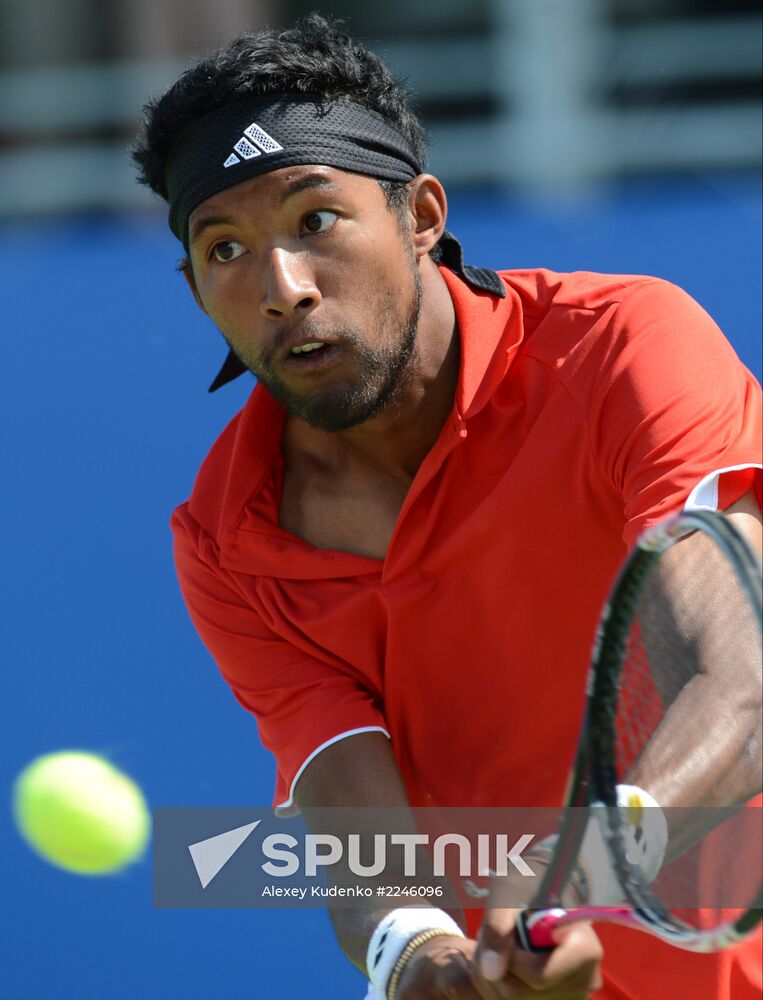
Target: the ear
pixel 429 208
pixel 186 269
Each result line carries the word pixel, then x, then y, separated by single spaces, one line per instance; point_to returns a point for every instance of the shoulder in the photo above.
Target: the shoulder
pixel 542 290
pixel 624 337
pixel 588 321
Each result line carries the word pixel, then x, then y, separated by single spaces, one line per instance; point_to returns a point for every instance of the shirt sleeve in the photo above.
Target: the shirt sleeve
pixel 302 705
pixel 676 417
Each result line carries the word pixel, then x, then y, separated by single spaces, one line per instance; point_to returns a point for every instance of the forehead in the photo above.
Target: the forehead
pixel 273 190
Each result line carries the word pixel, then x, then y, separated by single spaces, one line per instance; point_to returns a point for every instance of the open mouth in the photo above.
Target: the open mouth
pixel 316 345
pixel 315 354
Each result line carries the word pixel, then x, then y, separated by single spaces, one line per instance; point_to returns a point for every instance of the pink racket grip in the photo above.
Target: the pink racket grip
pixel 535 928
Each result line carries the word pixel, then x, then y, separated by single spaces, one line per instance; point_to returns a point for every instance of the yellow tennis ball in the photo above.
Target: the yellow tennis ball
pixel 81 813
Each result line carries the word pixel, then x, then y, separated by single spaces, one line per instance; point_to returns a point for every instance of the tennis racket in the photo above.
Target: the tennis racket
pixel 672 716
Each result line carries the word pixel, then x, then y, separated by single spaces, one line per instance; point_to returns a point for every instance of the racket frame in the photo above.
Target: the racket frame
pixel 594 778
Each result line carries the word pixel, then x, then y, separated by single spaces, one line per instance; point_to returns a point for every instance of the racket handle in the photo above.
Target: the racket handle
pixel 535 928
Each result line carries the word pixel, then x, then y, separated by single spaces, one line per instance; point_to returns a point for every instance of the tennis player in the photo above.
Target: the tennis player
pixel 397 551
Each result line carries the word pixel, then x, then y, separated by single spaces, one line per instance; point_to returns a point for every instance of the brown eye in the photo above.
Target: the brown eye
pixel 319 222
pixel 226 251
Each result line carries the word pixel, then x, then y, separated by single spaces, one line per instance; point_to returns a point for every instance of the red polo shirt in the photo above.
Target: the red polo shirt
pixel 588 407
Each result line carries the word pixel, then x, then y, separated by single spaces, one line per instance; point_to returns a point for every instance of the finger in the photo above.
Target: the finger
pixel 440 971
pixel 454 980
pixel 496 944
pixel 511 988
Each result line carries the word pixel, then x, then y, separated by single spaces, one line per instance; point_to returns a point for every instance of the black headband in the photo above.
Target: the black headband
pixel 259 134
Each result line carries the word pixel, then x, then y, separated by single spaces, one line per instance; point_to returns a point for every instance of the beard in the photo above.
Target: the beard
pixel 379 374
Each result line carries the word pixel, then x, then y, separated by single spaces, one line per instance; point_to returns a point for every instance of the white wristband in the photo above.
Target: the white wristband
pixel 394 932
pixel 646 837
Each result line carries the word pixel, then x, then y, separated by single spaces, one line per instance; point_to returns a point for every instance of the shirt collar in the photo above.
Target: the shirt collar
pixel 490 332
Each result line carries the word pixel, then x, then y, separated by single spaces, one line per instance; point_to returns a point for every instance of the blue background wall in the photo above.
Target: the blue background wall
pixel 105 419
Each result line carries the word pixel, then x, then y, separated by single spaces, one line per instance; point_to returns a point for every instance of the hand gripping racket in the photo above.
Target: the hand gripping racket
pixel 672 716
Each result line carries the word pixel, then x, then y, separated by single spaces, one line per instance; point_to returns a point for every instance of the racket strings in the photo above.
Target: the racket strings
pixel 685 698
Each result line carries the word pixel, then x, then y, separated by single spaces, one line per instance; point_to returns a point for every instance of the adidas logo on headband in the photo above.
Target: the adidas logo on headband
pixel 254 142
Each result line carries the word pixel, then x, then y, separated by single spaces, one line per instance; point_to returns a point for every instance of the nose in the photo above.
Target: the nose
pixel 290 286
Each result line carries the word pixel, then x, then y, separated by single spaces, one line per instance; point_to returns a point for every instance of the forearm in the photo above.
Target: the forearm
pixel 708 757
pixel 354 787
pixel 702 639
pixel 353 929
pixel 698 777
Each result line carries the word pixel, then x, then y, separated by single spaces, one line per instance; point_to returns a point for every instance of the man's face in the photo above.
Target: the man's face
pixel 308 256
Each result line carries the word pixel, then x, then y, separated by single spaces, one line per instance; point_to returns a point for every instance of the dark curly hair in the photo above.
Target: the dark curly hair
pixel 314 56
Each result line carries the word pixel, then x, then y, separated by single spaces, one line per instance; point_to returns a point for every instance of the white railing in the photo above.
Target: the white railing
pixel 545 68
